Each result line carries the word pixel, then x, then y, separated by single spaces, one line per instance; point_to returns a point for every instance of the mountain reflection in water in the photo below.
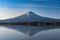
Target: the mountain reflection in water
pixel 29 33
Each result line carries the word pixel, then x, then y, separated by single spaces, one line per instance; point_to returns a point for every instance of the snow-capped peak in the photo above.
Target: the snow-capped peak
pixel 30 13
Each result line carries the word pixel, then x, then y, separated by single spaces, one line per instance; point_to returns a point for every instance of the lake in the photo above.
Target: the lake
pixel 16 32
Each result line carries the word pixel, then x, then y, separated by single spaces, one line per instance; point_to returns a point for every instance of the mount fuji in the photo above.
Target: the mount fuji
pixel 31 17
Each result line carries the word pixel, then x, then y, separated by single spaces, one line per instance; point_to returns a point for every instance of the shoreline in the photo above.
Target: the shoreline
pixel 32 23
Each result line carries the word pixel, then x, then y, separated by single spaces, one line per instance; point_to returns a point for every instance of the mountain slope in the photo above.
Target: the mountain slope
pixel 30 17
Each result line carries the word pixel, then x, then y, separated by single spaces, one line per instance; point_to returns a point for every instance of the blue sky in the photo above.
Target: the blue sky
pixel 47 8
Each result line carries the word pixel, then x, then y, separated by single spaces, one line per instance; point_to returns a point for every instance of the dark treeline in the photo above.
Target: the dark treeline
pixel 32 23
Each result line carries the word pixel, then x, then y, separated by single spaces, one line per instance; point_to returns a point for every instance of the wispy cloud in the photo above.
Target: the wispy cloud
pixel 39 0
pixel 48 0
pixel 10 13
pixel 34 5
pixel 45 0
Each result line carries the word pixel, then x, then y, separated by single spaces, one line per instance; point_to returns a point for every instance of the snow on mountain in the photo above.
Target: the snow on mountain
pixel 30 17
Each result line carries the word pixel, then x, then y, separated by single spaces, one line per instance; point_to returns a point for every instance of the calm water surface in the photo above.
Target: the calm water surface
pixel 29 33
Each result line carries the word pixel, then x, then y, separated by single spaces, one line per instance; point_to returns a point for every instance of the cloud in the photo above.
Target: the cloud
pixel 45 0
pixel 34 5
pixel 6 13
pixel 48 0
pixel 39 0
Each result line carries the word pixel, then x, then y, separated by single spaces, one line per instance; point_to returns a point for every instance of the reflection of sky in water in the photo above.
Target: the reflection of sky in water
pixel 7 33
pixel 10 34
pixel 53 34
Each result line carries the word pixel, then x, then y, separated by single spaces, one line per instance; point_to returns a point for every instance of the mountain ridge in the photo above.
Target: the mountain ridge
pixel 31 17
